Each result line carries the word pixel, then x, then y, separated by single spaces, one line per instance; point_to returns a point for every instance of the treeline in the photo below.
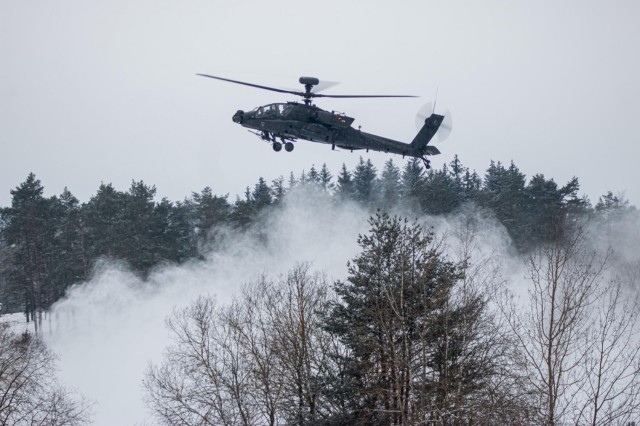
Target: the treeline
pixel 48 244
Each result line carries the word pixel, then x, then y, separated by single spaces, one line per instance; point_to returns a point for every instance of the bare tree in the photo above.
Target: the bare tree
pixel 502 396
pixel 202 379
pixel 612 365
pixel 252 362
pixel 578 335
pixel 552 330
pixel 29 393
pixel 300 343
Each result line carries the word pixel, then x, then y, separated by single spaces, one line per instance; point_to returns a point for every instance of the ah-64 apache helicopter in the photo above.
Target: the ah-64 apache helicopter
pixel 281 124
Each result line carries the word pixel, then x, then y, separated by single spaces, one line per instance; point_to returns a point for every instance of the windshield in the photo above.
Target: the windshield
pixel 272 110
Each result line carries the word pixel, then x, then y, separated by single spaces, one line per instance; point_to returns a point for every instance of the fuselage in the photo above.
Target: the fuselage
pixel 291 121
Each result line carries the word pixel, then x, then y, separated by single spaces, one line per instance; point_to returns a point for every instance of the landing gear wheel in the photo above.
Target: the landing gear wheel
pixel 427 163
pixel 277 146
pixel 288 146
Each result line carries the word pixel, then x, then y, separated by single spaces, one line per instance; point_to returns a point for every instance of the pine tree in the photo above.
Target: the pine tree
pixel 412 183
pixel 137 245
pixel 243 211
pixel 71 262
pixel 365 182
pixel 29 233
pixel 176 239
pixel 210 210
pixel 292 181
pixel 103 215
pixel 457 170
pixel 313 176
pixel 442 192
pixel 325 178
pixel 390 186
pixel 278 189
pixel 471 184
pixel 345 189
pixel 261 195
pixel 503 192
pixel 392 319
pixel 611 203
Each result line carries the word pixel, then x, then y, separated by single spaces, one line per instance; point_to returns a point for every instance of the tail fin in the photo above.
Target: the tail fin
pixel 426 133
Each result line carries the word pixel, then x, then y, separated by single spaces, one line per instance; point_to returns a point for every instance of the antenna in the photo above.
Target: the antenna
pixel 435 101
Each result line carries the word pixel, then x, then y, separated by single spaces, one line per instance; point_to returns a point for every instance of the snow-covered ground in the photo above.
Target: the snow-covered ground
pixel 17 321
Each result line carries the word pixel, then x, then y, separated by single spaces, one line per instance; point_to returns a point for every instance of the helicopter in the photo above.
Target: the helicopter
pixel 282 124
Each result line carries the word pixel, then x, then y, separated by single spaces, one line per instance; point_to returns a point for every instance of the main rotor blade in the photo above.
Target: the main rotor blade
pixel 303 94
pixel 273 89
pixel 323 85
pixel 319 95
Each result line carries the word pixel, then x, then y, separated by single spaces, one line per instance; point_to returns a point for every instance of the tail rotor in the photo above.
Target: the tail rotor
pixel 447 124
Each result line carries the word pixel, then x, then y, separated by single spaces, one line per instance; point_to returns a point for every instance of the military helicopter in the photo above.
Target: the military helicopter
pixel 281 124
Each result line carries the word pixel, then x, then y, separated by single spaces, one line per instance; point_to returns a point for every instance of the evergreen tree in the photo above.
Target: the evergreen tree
pixel 456 170
pixel 314 176
pixel 442 192
pixel 261 195
pixel 471 184
pixel 278 189
pixel 549 207
pixel 103 215
pixel 243 211
pixel 179 232
pixel 171 233
pixel 365 182
pixel 137 242
pixel 345 188
pixel 71 262
pixel 325 178
pixel 390 186
pixel 395 318
pixel 412 183
pixel 29 233
pixel 292 181
pixel 611 203
pixel 210 210
pixel 303 178
pixel 504 193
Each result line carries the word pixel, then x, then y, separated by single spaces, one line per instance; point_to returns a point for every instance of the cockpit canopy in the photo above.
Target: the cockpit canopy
pixel 272 111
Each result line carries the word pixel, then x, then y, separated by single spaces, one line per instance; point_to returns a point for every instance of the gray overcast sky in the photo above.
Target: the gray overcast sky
pixel 105 91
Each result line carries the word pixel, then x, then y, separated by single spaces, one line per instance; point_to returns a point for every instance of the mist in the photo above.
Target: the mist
pixel 108 329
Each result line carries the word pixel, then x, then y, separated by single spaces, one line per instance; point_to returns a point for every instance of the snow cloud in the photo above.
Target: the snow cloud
pixel 107 330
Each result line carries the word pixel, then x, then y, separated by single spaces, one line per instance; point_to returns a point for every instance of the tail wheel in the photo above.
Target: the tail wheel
pixel 288 146
pixel 277 146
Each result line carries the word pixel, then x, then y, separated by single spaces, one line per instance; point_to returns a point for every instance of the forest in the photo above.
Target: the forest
pixel 415 334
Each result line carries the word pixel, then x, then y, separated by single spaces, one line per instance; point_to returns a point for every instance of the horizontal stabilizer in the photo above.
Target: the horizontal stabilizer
pixel 431 150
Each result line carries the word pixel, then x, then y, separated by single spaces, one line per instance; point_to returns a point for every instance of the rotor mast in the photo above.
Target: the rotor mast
pixel 308 82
